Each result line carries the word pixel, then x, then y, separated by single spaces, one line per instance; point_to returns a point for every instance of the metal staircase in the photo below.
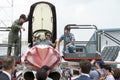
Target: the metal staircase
pixel 110 53
pixel 4 45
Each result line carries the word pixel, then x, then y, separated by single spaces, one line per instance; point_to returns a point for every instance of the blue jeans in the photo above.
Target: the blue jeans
pixel 71 49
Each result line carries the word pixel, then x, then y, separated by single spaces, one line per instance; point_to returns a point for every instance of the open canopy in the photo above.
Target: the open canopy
pixel 42 17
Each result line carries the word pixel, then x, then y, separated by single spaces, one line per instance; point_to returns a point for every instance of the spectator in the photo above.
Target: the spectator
pixel 8 66
pixel 108 72
pixel 14 77
pixel 116 73
pixel 69 41
pixel 63 73
pixel 85 67
pixel 55 75
pixel 41 74
pixel 29 75
pixel 98 72
pixel 75 74
pixel 68 74
pixel 47 69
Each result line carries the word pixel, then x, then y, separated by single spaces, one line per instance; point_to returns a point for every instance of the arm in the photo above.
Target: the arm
pixel 17 25
pixel 59 41
pixel 72 38
pixel 54 44
pixel 59 45
pixel 112 62
pixel 23 28
pixel 106 62
pixel 93 62
pixel 70 43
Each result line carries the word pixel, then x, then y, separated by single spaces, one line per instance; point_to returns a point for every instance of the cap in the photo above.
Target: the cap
pixel 67 28
pixel 101 63
pixel 23 16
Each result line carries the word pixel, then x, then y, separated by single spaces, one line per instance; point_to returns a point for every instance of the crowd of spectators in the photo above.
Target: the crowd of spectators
pixel 101 71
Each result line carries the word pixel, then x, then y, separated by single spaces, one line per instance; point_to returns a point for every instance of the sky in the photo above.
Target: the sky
pixel 102 13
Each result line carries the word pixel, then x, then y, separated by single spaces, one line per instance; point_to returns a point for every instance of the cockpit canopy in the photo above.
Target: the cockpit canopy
pixel 42 18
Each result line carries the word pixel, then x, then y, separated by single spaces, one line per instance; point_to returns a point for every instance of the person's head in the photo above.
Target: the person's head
pixel 116 73
pixel 55 75
pixel 41 74
pixel 22 18
pixel 48 35
pixel 46 68
pixel 85 66
pixel 33 38
pixel 107 69
pixel 99 64
pixel 29 75
pixel 8 64
pixel 67 29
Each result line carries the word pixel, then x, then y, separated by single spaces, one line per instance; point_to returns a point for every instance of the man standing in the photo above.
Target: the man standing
pixel 8 67
pixel 69 40
pixel 85 67
pixel 98 72
pixel 13 37
pixel 47 69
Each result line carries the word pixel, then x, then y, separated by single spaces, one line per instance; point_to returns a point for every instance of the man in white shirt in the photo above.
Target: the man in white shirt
pixel 8 67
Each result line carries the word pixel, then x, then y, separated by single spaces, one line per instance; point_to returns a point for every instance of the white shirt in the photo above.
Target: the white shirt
pixel 49 78
pixel 74 77
pixel 7 74
pixel 85 74
pixel 109 77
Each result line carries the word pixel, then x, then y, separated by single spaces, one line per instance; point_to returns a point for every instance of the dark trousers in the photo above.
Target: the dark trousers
pixel 13 43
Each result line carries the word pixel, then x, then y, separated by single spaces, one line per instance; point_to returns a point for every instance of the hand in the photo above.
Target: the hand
pixel 102 78
pixel 93 62
pixel 23 28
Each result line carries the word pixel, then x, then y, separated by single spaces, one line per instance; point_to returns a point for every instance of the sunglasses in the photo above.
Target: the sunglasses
pixel 48 35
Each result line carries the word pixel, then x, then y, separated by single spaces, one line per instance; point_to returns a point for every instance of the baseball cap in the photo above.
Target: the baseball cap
pixel 101 63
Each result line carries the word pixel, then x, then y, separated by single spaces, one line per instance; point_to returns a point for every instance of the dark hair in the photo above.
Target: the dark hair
pixel 48 32
pixel 108 67
pixel 29 75
pixel 85 66
pixel 41 74
pixel 46 68
pixel 23 16
pixel 55 75
pixel 116 73
pixel 8 63
pixel 67 27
